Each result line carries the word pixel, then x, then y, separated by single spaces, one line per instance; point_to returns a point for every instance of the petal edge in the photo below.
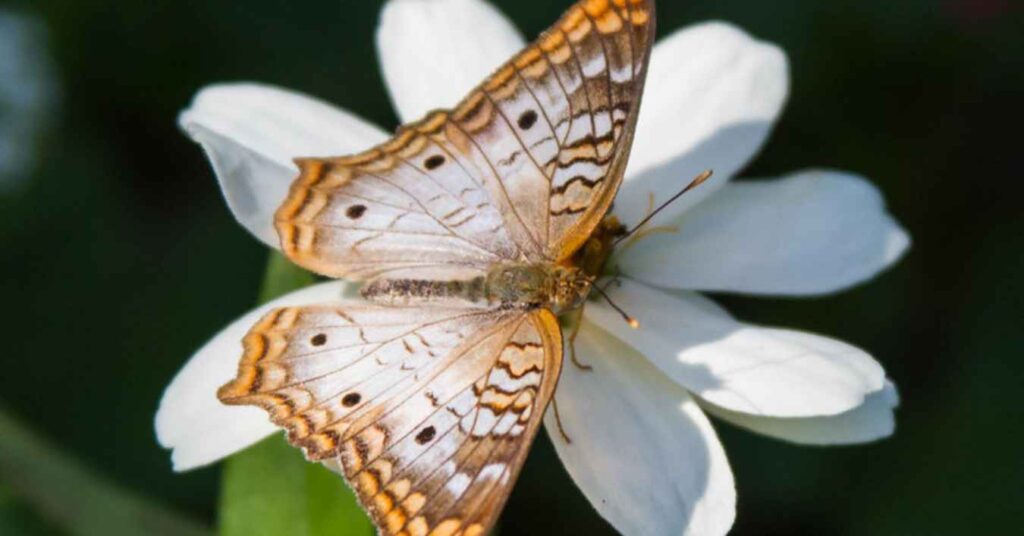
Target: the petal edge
pixel 251 134
pixel 642 451
pixel 810 233
pixel 871 421
pixel 741 367
pixel 712 97
pixel 433 52
pixel 191 421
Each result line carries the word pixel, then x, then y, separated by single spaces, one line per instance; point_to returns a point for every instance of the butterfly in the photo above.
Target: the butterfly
pixel 472 231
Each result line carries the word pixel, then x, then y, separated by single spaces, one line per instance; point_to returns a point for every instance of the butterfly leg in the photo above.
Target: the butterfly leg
pixel 576 321
pixel 558 421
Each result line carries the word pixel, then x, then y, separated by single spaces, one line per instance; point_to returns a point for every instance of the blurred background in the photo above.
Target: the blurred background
pixel 119 257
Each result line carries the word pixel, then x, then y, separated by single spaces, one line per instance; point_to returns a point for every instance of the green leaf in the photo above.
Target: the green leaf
pixel 282 277
pixel 72 497
pixel 270 489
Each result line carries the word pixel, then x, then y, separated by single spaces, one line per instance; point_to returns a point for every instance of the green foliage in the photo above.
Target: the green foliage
pixel 270 489
pixel 282 277
pixel 69 496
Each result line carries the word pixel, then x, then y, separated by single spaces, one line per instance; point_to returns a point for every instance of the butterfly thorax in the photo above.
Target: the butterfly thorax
pixel 559 288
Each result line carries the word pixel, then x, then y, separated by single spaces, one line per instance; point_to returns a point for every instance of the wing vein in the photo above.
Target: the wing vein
pixel 583 82
pixel 375 350
pixel 419 385
pixel 568 100
pixel 501 184
pixel 427 211
pixel 547 226
pixel 607 68
pixel 462 444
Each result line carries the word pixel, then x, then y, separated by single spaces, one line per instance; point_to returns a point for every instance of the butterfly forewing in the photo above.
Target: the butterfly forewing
pixel 523 168
pixel 429 411
pixel 392 209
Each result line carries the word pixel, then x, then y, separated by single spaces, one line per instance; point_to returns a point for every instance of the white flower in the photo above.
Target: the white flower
pixel 643 451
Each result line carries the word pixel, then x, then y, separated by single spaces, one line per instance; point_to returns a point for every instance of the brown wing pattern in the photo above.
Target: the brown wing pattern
pixel 522 169
pixel 430 412
pixel 597 56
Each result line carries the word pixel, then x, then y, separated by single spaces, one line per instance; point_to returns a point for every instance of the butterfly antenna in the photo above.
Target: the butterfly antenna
pixel 697 181
pixel 633 323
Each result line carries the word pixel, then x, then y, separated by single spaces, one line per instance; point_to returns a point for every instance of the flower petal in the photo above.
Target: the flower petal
pixel 812 232
pixel 433 52
pixel 711 98
pixel 642 451
pixel 744 368
pixel 871 421
pixel 251 133
pixel 191 420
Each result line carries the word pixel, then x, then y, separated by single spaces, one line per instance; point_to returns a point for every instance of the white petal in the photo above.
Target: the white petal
pixel 642 451
pixel 191 420
pixel 251 133
pixel 871 421
pixel 433 52
pixel 744 368
pixel 810 233
pixel 712 96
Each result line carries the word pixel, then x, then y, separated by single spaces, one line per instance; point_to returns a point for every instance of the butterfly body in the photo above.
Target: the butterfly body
pixel 471 230
pixel 505 286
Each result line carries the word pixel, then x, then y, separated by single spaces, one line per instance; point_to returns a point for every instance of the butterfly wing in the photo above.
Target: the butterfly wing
pixel 429 411
pixel 565 110
pixel 523 168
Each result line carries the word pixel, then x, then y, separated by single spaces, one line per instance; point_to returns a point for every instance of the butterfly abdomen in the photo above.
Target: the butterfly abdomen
pixel 407 291
pixel 511 285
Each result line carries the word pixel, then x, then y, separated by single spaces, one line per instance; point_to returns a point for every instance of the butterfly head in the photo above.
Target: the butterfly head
pixel 570 288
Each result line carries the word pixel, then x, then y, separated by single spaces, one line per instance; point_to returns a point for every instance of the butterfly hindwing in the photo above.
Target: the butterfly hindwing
pixel 429 411
pixel 523 168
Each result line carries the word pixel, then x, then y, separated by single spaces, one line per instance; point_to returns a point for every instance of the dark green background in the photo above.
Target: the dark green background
pixel 119 257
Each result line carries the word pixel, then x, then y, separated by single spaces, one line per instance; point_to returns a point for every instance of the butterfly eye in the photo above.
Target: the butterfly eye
pixel 434 162
pixel 318 340
pixel 527 120
pixel 425 435
pixel 355 211
pixel 351 399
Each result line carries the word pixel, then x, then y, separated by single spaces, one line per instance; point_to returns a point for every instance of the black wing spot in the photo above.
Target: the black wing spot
pixel 351 399
pixel 355 211
pixel 434 162
pixel 318 340
pixel 528 119
pixel 426 435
